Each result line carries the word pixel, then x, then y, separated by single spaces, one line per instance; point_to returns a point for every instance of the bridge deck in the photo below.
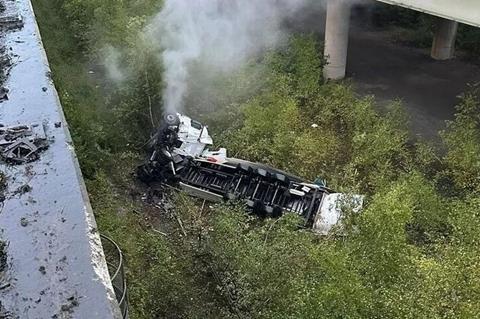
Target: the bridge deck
pixel 56 266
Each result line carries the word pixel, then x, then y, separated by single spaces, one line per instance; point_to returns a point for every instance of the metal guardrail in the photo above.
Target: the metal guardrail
pixel 115 263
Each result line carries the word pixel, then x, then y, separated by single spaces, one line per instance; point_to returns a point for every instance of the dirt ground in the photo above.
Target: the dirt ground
pixel 429 89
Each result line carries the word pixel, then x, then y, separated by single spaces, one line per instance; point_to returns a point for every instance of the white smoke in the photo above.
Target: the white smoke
pixel 221 34
pixel 113 65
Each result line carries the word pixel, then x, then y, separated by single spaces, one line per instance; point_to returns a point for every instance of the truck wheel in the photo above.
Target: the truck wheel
pixel 171 119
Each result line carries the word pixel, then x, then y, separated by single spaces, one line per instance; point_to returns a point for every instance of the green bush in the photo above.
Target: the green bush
pixel 318 130
pixel 462 139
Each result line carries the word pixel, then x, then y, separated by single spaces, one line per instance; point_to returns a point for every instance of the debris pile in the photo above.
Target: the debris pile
pixel 22 143
pixel 3 256
pixel 4 314
pixel 4 282
pixel 3 94
pixel 11 22
pixel 3 186
pixel 8 22
pixel 5 65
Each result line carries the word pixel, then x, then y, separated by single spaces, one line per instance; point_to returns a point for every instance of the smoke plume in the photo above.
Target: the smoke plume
pixel 112 63
pixel 220 34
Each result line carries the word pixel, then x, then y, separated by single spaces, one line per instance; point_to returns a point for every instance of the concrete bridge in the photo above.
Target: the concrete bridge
pixel 52 264
pixel 449 14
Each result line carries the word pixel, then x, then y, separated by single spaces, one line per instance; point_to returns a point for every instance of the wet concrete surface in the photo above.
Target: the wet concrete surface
pixel 428 89
pixel 56 266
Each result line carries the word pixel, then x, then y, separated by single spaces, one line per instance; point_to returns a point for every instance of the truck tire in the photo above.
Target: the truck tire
pixel 171 119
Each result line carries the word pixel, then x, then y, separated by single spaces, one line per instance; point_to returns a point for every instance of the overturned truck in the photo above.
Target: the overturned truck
pixel 180 157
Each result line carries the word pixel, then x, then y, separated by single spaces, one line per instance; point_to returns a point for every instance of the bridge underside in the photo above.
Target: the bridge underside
pixel 449 14
pixel 463 11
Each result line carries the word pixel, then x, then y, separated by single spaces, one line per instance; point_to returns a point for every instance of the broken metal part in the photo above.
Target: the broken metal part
pixel 21 151
pixel 22 143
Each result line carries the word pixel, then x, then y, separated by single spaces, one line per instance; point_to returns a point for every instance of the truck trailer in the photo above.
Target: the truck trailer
pixel 180 156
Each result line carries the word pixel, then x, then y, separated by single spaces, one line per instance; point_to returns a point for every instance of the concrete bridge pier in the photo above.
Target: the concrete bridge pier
pixel 336 39
pixel 443 47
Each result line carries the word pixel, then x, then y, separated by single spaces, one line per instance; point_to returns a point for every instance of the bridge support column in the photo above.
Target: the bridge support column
pixel 336 39
pixel 443 47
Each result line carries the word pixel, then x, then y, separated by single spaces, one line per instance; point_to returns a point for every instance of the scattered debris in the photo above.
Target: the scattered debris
pixel 4 314
pixel 3 255
pixel 72 302
pixel 22 143
pixel 42 270
pixel 5 65
pixel 22 189
pixel 58 124
pixel 3 186
pixel 11 22
pixel 23 222
pixel 21 151
pixel 3 94
pixel 5 60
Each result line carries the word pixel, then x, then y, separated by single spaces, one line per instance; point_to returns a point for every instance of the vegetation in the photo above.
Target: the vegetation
pixel 412 253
